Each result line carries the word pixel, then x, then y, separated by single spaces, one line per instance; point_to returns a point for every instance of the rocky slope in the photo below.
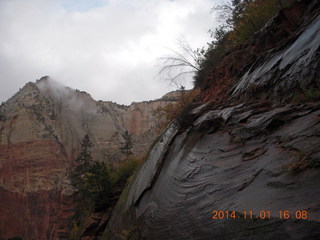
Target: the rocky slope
pixel 41 129
pixel 281 29
pixel 255 155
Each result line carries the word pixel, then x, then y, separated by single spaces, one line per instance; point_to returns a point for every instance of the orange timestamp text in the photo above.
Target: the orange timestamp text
pixel 283 214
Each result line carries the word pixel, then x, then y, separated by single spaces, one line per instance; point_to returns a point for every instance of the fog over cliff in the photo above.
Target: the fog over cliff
pixel 107 48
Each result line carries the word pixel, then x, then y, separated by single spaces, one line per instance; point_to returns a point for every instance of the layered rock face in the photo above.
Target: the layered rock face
pixel 256 160
pixel 41 129
pixel 284 27
pixel 281 74
pixel 247 168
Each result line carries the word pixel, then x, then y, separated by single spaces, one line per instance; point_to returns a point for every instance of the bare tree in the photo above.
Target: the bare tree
pixel 181 64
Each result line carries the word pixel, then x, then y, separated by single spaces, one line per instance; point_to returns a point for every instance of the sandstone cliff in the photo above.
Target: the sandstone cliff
pixel 41 128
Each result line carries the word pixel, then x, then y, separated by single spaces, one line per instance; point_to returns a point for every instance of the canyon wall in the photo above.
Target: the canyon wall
pixel 41 128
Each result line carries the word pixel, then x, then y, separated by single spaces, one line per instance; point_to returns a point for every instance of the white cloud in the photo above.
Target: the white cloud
pixel 108 48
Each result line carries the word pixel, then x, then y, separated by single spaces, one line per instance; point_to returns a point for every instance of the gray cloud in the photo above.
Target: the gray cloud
pixel 109 48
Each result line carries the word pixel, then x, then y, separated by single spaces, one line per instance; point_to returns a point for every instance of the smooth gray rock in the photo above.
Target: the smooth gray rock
pixel 296 66
pixel 148 173
pixel 203 172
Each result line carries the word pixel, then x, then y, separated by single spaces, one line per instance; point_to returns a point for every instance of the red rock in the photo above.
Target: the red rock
pixel 41 129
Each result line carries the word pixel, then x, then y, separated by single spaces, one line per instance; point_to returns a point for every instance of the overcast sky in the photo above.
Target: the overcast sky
pixel 108 48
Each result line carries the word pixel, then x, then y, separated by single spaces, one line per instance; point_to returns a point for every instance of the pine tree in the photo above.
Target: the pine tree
pixel 85 159
pixel 127 145
pixel 99 186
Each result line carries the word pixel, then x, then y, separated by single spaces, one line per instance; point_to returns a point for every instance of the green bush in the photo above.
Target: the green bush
pixel 242 18
pixel 123 171
pixel 309 95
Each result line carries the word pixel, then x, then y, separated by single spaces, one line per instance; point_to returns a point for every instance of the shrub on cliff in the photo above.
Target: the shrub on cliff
pixel 123 171
pixel 181 64
pixel 167 113
pixel 251 15
pixel 240 20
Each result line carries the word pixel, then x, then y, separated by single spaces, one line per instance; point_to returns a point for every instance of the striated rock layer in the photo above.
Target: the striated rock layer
pixel 259 158
pixel 251 60
pixel 248 168
pixel 41 129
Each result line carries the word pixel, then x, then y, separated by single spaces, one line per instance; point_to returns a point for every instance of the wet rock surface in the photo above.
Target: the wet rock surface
pixel 152 167
pixel 295 67
pixel 275 35
pixel 288 68
pixel 253 165
pixel 254 154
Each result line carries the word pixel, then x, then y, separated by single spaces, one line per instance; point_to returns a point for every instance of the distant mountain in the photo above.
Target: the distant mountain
pixel 41 128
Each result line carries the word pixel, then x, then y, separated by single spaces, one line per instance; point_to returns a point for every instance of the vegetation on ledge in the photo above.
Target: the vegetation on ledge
pixel 240 20
pixel 96 183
